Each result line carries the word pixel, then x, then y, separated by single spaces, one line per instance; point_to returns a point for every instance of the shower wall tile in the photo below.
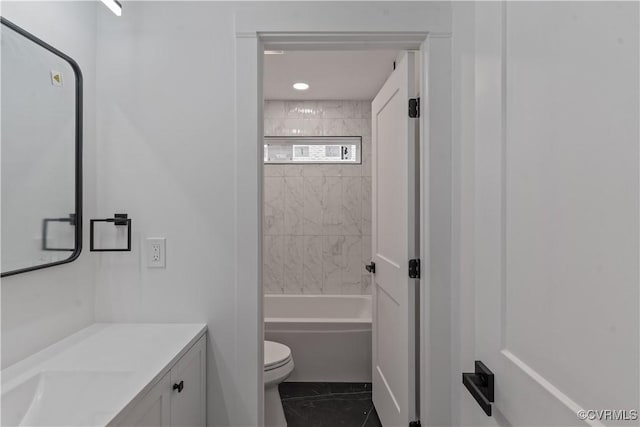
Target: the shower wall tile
pixel 367 257
pixel 352 206
pixel 317 218
pixel 366 283
pixel 332 264
pixel 367 167
pixel 273 264
pixel 366 205
pixel 273 215
pixel 334 170
pixel 314 170
pixel 274 110
pixel 351 170
pixel 313 109
pixel 363 110
pixel 293 264
pixel 292 127
pixel 354 127
pixel 352 265
pixel 332 218
pixel 313 127
pixel 333 110
pixel 273 170
pixel 363 126
pixel 312 265
pixel 312 205
pixel 294 109
pixel 293 170
pixel 273 126
pixel 367 254
pixel 293 205
pixel 350 110
pixel 337 127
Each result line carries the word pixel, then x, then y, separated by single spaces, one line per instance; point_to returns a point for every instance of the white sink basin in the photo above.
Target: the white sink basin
pixel 51 398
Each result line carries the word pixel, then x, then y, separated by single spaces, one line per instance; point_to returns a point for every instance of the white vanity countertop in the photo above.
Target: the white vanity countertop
pixel 90 377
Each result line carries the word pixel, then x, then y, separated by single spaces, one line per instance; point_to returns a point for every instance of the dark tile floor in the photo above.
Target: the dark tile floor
pixel 328 405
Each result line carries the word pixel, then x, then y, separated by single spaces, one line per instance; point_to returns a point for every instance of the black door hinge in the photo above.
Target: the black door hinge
pixel 414 107
pixel 414 268
pixel 414 424
pixel 371 267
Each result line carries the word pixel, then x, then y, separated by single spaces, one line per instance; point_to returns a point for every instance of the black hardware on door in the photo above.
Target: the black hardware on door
pixel 414 107
pixel 179 386
pixel 480 385
pixel 371 267
pixel 414 268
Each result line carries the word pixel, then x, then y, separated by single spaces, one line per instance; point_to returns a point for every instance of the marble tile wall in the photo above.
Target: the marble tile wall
pixel 317 218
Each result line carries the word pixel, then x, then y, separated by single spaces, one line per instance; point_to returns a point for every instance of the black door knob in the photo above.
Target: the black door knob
pixel 179 386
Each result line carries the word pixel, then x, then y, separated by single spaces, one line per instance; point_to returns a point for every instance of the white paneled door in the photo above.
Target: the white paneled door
pixel 556 214
pixel 393 242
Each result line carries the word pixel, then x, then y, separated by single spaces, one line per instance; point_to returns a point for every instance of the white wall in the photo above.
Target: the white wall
pixel 317 218
pixel 167 150
pixel 41 307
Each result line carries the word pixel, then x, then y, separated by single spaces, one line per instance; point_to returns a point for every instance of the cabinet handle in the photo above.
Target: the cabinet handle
pixel 179 386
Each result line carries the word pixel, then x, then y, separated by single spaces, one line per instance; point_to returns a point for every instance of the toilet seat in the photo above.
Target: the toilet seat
pixel 275 355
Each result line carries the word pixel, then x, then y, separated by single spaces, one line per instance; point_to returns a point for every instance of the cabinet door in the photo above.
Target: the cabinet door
pixel 154 408
pixel 188 384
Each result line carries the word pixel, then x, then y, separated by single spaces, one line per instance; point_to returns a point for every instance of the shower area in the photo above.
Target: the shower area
pixel 317 236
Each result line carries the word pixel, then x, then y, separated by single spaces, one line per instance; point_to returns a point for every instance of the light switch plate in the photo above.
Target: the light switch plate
pixel 156 252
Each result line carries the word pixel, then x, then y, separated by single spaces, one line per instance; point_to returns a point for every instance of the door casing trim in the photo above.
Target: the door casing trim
pixel 435 54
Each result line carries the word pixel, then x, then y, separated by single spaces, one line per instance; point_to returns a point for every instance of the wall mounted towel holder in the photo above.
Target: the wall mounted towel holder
pixel 71 219
pixel 119 220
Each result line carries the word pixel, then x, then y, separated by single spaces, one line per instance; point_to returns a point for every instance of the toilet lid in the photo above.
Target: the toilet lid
pixel 275 354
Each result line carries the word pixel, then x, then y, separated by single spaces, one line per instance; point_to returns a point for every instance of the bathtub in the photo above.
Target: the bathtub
pixel 329 335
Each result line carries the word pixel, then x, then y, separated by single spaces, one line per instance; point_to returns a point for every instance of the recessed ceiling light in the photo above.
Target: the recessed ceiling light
pixel 114 5
pixel 300 86
pixel 274 52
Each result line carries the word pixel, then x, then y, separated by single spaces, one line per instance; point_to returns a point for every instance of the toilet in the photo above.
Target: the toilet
pixel 278 365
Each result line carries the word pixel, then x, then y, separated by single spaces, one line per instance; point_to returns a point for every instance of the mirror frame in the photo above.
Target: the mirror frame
pixel 78 150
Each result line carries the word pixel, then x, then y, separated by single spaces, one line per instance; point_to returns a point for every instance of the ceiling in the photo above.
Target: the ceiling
pixel 356 75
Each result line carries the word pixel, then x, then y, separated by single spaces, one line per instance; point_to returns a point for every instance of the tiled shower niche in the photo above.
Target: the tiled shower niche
pixel 317 218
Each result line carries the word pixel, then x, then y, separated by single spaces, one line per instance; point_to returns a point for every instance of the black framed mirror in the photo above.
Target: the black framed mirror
pixel 41 161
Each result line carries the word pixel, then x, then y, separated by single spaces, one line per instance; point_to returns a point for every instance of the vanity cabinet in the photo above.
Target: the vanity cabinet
pixel 188 387
pixel 154 409
pixel 178 399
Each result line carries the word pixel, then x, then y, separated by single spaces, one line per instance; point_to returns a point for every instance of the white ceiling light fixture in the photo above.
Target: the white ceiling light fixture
pixel 300 86
pixel 114 5
pixel 274 52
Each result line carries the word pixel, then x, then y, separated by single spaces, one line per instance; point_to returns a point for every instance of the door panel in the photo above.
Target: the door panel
pixel 556 211
pixel 393 243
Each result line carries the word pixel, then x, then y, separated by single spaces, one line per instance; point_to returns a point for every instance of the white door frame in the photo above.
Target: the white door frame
pixel 435 118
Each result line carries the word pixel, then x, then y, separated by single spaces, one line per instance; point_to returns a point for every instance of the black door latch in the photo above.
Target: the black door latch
pixel 480 385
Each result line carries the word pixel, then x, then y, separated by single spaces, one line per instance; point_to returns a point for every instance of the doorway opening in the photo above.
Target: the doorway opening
pixel 340 224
